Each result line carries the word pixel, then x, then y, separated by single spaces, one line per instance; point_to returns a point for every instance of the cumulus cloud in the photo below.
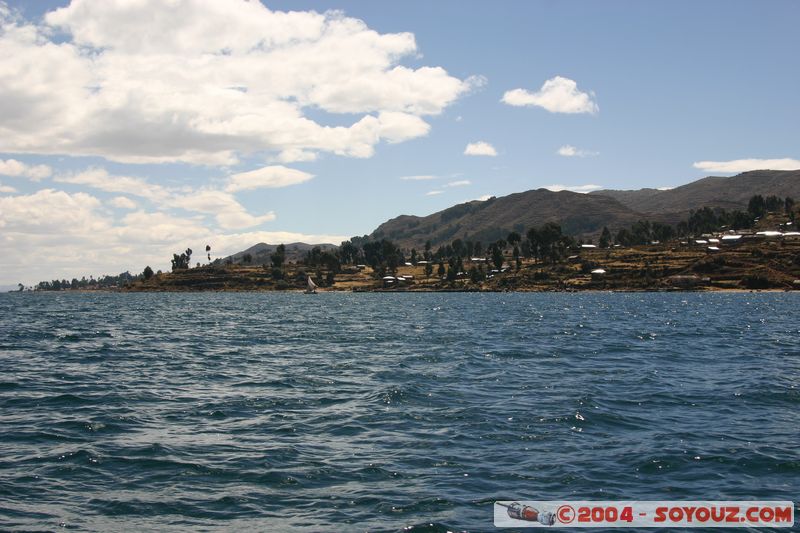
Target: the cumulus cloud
pixel 53 212
pixel 480 148
pixel 7 188
pixel 294 155
pixel 583 189
pixel 55 234
pixel 99 178
pixel 203 82
pixel 484 197
pixel 12 167
pixel 229 213
pixel 570 151
pixel 557 95
pixel 123 202
pixel 267 177
pixel 743 165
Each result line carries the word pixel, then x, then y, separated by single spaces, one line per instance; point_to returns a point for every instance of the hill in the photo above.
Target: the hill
pixel 578 214
pixel 494 218
pixel 752 264
pixel 585 214
pixel 260 253
pixel 730 193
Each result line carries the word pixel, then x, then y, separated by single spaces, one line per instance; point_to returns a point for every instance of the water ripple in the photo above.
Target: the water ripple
pixel 386 412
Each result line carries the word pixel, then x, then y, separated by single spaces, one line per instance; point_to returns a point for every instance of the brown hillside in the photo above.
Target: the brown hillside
pixel 578 214
pixel 730 193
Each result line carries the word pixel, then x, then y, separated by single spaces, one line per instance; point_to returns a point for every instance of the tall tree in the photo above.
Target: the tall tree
pixel 605 238
pixel 278 257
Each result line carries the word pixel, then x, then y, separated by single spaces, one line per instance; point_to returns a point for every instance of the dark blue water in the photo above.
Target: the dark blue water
pixel 341 412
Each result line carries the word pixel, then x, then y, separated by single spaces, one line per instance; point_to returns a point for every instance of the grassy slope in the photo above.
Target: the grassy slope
pixel 639 268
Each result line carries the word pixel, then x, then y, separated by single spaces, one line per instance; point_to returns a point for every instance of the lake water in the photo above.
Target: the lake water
pixel 353 412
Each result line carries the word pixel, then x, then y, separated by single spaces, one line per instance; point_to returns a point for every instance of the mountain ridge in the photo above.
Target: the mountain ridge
pixel 712 191
pixel 584 215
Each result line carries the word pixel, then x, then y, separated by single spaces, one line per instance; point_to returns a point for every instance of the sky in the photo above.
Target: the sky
pixel 133 129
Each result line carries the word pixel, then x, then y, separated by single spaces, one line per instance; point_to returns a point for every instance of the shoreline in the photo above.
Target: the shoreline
pixel 414 291
pixel 751 267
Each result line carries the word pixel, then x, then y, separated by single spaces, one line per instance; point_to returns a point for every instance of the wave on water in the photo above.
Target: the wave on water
pixel 386 412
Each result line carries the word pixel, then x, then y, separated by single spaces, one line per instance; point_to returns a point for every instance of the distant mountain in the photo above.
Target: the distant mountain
pixel 485 221
pixel 730 193
pixel 261 252
pixel 578 214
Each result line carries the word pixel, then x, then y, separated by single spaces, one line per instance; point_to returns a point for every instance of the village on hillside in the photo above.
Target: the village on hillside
pixel 757 249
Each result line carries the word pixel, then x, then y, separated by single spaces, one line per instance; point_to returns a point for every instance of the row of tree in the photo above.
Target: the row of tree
pixel 104 282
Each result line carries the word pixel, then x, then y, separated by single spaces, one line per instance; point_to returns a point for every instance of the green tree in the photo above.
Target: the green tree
pixel 181 262
pixel 757 206
pixel 278 257
pixel 773 203
pixel 534 243
pixel 147 274
pixel 497 254
pixel 348 252
pixel 476 275
pixel 458 247
pixel 605 238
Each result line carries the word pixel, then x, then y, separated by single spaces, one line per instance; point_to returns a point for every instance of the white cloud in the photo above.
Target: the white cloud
pixel 459 183
pixel 123 202
pixel 484 197
pixel 743 165
pixel 295 155
pixel 398 127
pixel 229 213
pixel 570 151
pixel 99 178
pixel 7 188
pixel 480 148
pixel 267 177
pixel 423 177
pixel 203 81
pixel 53 212
pixel 557 95
pixel 12 167
pixel 54 234
pixel 583 189
pixel 665 188
pixel 433 193
pixel 148 229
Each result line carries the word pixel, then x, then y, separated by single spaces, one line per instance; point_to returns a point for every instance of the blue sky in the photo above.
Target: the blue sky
pixel 670 85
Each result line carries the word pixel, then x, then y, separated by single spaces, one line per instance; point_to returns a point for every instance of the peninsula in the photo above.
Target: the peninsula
pixel 711 234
